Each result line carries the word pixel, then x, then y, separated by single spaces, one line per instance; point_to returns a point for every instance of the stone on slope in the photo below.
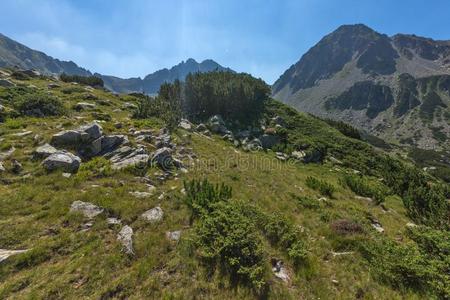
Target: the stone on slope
pixel 153 215
pixel 185 124
pixel 125 237
pixel 163 158
pixel 4 254
pixel 83 106
pixel 44 151
pixel 88 209
pixel 279 270
pixel 66 138
pixel 110 142
pixel 62 160
pixel 173 236
pixel 269 140
pixel 93 130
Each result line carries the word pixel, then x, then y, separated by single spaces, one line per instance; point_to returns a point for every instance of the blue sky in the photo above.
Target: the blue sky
pixel 133 38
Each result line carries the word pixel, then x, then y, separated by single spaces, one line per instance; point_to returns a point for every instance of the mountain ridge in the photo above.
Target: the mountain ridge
pixel 359 67
pixel 15 54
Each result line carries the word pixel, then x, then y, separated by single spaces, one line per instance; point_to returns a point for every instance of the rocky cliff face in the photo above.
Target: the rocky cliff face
pixel 394 87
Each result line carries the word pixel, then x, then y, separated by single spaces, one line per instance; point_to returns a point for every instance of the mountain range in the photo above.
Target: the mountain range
pixel 397 88
pixel 151 83
pixel 14 54
pixel 394 87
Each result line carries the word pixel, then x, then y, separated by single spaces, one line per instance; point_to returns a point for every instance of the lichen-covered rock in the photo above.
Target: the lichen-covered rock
pixel 93 130
pixel 173 236
pixel 125 237
pixel 4 254
pixel 153 215
pixel 163 158
pixel 89 210
pixel 62 160
pixel 66 138
pixel 44 151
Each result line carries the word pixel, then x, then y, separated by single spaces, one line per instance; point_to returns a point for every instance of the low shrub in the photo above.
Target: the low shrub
pixel 228 239
pixel 282 233
pixel 39 105
pixel 201 195
pixel 366 188
pixel 158 107
pixel 87 80
pixel 323 187
pixel 422 265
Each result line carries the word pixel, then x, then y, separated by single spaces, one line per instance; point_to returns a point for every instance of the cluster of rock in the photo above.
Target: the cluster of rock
pixel 125 235
pixel 255 139
pixel 89 141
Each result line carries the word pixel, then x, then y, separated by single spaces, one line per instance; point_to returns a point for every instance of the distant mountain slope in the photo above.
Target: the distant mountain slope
pixel 13 54
pixel 397 88
pixel 151 83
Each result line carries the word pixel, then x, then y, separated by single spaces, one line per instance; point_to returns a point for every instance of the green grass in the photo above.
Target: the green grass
pixel 67 263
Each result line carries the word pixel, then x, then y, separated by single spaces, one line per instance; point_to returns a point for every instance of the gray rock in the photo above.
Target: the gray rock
pixel 269 140
pixel 53 86
pixel 185 124
pixel 128 105
pixel 110 142
pixel 279 270
pixel 44 151
pixel 173 236
pixel 277 120
pixel 133 160
pixel 254 145
pixel 2 168
pixel 201 127
pixel 163 157
pixel 83 106
pixel 113 221
pixel 89 210
pixel 16 166
pixel 217 125
pixel 4 254
pixel 298 155
pixel 125 237
pixel 93 130
pixel 62 160
pixel 22 134
pixel 153 215
pixel 140 195
pixel 66 138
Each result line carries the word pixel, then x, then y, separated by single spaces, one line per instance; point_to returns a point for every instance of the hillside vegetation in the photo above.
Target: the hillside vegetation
pixel 210 190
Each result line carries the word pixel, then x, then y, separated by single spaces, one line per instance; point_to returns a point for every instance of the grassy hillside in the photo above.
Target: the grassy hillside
pixel 306 215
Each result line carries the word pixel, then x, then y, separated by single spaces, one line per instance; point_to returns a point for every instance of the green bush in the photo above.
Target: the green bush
pixel 345 128
pixel 307 202
pixel 201 195
pixel 39 105
pixel 323 187
pixel 282 233
pixel 227 238
pixel 159 107
pixel 425 201
pixel 365 187
pixel 422 265
pixel 87 80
